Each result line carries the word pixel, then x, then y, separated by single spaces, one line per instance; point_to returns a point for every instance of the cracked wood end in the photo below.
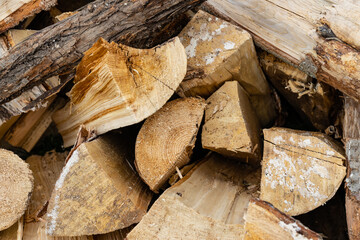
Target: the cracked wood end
pixel 166 140
pixel 264 222
pixel 208 203
pixel 300 170
pixel 116 86
pixel 231 126
pixel 218 51
pixel 16 185
pixel 98 190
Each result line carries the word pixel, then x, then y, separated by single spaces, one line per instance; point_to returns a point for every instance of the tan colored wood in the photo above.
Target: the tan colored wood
pixel 264 222
pixel 7 125
pixel 295 32
pixel 231 126
pixel 15 189
pixel 64 15
pixel 314 101
pixel 12 37
pixel 116 86
pixel 183 171
pixel 304 168
pixel 29 128
pixel 116 235
pixel 218 51
pixel 10 233
pixel 98 191
pixel 13 11
pixel 208 203
pixel 166 140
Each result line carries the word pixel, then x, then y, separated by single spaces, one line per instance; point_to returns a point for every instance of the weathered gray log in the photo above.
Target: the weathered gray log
pixel 57 49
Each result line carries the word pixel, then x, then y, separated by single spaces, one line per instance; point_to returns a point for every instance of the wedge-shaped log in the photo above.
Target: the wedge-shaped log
pixel 218 51
pixel 231 126
pixel 313 100
pixel 264 222
pixel 166 140
pixel 98 191
pixel 116 86
pixel 16 186
pixel 304 168
pixel 208 203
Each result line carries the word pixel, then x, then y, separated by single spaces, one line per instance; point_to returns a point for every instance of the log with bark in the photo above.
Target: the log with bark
pixel 58 48
pixel 318 37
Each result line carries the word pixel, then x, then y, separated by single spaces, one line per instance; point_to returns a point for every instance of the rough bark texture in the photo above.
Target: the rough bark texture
pixel 58 48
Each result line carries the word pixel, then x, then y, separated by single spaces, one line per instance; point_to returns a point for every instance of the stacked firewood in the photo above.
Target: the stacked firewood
pixel 173 124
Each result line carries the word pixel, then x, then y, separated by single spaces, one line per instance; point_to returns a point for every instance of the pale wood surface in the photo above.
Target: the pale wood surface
pixel 231 126
pixel 16 185
pixel 218 51
pixel 264 222
pixel 300 170
pixel 116 86
pixel 208 203
pixel 98 191
pixel 166 140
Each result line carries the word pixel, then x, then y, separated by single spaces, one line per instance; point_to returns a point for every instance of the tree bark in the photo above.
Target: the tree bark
pixel 57 49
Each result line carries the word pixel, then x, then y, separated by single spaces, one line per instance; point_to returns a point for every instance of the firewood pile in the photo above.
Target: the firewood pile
pixel 218 119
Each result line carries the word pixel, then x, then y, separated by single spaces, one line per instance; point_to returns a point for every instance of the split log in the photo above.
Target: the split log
pixel 57 49
pixel 209 203
pixel 304 168
pixel 12 37
pixel 116 235
pixel 28 129
pixel 264 222
pixel 300 35
pixel 15 189
pixel 314 101
pixel 351 135
pixel 13 233
pixel 98 191
pixel 218 51
pixel 231 126
pixel 116 86
pixel 12 11
pixel 7 125
pixel 166 140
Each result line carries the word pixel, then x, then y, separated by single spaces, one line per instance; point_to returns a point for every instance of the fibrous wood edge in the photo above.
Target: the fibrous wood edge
pixel 314 101
pixel 15 189
pixel 116 86
pixel 264 222
pixel 296 34
pixel 12 12
pixel 166 140
pixel 57 49
pixel 231 126
pixel 300 170
pixel 11 233
pixel 218 51
pixel 208 203
pixel 98 191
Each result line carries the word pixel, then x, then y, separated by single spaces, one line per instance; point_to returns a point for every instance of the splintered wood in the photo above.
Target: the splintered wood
pixel 166 140
pixel 264 222
pixel 208 203
pixel 231 126
pixel 98 191
pixel 300 170
pixel 16 185
pixel 116 86
pixel 218 51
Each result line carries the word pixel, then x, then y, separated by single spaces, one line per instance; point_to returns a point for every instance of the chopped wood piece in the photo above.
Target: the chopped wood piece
pixel 231 126
pixel 57 49
pixel 98 191
pixel 12 37
pixel 304 168
pixel 64 15
pixel 116 235
pixel 116 86
pixel 183 171
pixel 218 51
pixel 11 233
pixel 296 33
pixel 7 125
pixel 208 203
pixel 264 222
pixel 314 101
pixel 13 11
pixel 46 170
pixel 166 140
pixel 27 130
pixel 16 185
